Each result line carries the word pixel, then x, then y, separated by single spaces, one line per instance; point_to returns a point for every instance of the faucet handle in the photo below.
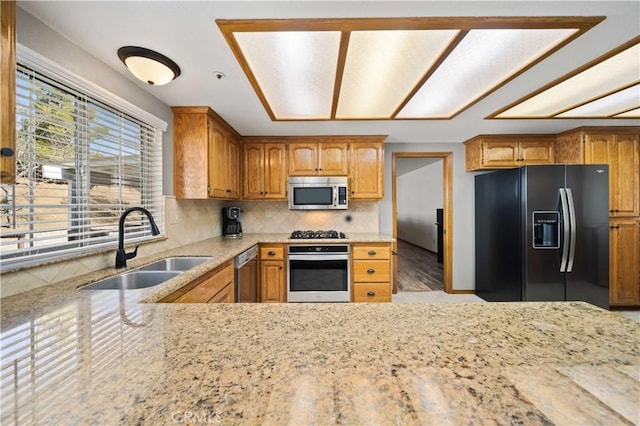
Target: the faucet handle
pixel 133 254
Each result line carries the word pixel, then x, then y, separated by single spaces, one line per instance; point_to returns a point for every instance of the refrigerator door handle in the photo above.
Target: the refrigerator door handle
pixel 566 230
pixel 572 223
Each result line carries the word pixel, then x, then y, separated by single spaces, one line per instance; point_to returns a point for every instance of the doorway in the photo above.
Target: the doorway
pixel 446 159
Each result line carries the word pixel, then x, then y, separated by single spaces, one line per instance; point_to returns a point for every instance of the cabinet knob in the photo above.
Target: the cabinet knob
pixel 371 253
pixel 320 169
pixel 371 293
pixel 280 267
pixel 272 253
pixel 6 152
pixel 371 271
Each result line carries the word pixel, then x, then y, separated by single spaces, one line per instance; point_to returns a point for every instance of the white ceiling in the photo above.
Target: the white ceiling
pixel 186 32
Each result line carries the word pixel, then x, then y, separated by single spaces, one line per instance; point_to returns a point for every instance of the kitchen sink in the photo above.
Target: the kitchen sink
pixel 132 280
pixel 174 264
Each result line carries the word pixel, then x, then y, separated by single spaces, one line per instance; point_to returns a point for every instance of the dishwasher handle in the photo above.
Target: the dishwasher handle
pixel 245 257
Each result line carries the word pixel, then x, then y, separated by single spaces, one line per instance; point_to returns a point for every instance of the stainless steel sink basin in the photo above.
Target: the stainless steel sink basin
pixel 133 280
pixel 174 264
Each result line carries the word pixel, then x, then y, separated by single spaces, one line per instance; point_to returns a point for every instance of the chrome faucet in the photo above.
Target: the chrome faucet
pixel 121 255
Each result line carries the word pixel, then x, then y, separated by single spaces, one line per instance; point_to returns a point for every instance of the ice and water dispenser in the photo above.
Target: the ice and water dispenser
pixel 546 230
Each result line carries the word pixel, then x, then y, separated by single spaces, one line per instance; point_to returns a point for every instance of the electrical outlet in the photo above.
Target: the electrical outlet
pixel 173 219
pixel 267 212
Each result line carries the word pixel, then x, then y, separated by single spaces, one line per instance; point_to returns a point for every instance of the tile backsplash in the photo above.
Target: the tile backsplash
pixel 275 216
pixel 186 222
pixel 190 221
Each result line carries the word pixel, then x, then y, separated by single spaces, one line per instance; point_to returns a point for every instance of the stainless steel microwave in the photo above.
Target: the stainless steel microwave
pixel 318 193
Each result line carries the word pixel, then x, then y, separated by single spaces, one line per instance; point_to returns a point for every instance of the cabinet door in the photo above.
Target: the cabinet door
pixel 190 155
pixel 253 171
pixel 224 296
pixel 624 185
pixel 233 169
pixel 217 161
pixel 272 282
pixel 366 170
pixel 624 262
pixel 333 159
pixel 596 149
pixel 499 154
pixel 303 159
pixel 535 152
pixel 275 171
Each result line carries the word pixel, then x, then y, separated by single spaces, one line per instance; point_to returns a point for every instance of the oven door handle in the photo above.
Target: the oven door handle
pixel 318 257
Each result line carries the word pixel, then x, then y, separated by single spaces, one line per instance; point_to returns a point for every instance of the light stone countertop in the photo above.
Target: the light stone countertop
pixel 102 357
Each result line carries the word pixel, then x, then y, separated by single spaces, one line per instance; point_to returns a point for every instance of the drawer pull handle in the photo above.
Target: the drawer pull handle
pixel 371 271
pixel 372 253
pixel 272 253
pixel 371 293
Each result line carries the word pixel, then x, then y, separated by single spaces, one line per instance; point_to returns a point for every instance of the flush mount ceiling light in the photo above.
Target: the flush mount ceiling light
pixel 389 68
pixel 149 66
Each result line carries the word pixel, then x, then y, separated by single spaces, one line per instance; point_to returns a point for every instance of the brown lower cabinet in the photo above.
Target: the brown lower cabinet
pixel 624 262
pixel 213 287
pixel 272 273
pixel 371 272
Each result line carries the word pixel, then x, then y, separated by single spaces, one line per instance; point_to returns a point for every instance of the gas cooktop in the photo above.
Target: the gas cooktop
pixel 308 235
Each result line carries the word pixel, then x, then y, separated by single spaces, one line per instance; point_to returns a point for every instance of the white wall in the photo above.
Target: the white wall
pixel 35 35
pixel 463 208
pixel 419 194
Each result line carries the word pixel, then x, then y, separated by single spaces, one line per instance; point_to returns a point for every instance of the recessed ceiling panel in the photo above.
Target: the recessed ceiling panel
pixel 634 113
pixel 480 63
pixel 383 67
pixel 390 68
pixel 607 106
pixel 604 77
pixel 295 70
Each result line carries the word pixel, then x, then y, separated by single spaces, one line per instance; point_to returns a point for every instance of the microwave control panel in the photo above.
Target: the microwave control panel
pixel 342 195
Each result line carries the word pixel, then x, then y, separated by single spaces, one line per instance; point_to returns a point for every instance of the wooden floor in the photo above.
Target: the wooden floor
pixel 418 269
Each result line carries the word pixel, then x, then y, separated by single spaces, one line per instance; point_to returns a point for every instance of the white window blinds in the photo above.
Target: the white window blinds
pixel 80 164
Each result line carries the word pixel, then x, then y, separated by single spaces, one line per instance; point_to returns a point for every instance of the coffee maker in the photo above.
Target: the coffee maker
pixel 231 226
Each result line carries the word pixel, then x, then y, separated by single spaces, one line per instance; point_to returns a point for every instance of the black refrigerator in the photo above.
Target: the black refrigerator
pixel 542 234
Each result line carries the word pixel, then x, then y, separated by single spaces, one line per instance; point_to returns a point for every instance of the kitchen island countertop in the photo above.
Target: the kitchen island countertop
pixel 102 357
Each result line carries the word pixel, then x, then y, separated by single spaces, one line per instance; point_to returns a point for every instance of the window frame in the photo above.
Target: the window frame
pixel 99 98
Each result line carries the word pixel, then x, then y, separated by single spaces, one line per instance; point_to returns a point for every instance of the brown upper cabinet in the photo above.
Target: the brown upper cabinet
pixel 366 172
pixel 8 91
pixel 265 171
pixel 615 146
pixel 205 155
pixel 507 151
pixel 323 159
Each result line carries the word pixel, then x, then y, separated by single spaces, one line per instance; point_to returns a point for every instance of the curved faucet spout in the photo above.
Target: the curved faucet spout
pixel 121 255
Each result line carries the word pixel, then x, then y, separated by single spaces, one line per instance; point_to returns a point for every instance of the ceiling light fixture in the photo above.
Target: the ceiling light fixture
pixel 149 66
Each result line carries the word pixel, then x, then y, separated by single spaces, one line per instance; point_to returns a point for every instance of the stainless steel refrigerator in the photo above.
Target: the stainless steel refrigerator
pixel 542 234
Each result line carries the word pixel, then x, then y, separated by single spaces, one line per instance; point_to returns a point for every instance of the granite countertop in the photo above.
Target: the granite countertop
pixel 102 357
pixel 220 249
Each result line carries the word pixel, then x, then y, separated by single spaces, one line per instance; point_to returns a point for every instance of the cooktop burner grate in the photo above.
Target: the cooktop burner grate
pixel 308 235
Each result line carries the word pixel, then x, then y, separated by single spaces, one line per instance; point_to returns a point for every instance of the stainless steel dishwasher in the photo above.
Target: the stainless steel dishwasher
pixel 246 276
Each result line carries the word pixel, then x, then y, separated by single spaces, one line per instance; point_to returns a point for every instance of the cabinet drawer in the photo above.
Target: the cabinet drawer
pixel 271 253
pixel 371 271
pixel 370 292
pixel 371 252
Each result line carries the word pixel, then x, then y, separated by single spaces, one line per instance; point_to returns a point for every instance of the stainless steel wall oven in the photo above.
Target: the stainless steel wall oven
pixel 318 273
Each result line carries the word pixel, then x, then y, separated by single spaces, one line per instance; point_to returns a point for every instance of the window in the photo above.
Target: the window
pixel 80 164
